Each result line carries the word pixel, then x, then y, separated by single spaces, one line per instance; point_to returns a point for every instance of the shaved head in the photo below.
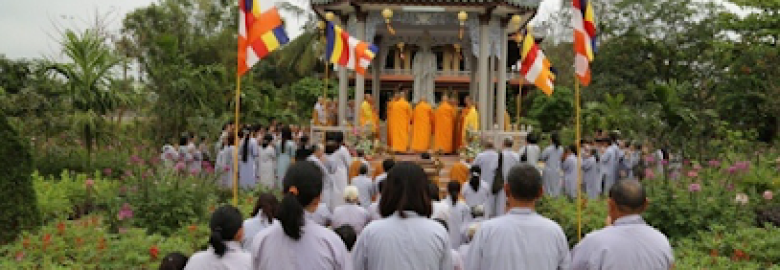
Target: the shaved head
pixel 629 196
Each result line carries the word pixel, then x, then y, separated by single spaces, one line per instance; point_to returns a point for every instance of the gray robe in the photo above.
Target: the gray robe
pixel 590 175
pixel 521 239
pixel 609 166
pixel 318 249
pixel 629 244
pixel 488 163
pixel 413 242
pixel 351 214
pixel 569 168
pixel 552 170
pixel 234 258
pixel 366 189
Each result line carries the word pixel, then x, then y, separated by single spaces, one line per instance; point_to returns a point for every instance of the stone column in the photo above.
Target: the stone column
pixel 502 62
pixel 343 86
pixel 491 94
pixel 360 83
pixel 484 52
pixel 473 70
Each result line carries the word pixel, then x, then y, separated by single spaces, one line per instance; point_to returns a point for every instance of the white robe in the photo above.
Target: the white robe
pixel 339 175
pixel 475 197
pixel 267 169
pixel 552 170
pixel 328 186
pixel 254 225
pixel 322 215
pixel 532 153
pixel 488 163
pixel 318 249
pixel 460 214
pixel 350 214
pixel 413 242
pixel 235 258
pixel 521 239
pixel 225 166
pixel 366 189
pixel 247 170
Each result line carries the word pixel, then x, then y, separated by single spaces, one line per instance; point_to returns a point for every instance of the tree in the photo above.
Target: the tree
pixel 553 112
pixel 20 208
pixel 87 75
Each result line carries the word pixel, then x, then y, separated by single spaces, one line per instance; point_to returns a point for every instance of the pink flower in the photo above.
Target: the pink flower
pixel 686 162
pixel 732 169
pixel 714 163
pixel 697 167
pixel 20 256
pixel 649 174
pixel 650 159
pixel 693 174
pixel 226 168
pixel 194 171
pixel 125 212
pixel 743 165
pixel 768 195
pixel 89 183
pixel 695 187
pixel 664 162
pixel 180 166
pixel 107 171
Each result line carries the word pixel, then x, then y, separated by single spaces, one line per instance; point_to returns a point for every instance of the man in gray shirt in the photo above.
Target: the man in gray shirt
pixel 627 242
pixel 520 239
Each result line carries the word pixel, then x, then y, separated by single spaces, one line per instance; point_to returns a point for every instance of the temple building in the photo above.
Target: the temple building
pixel 432 47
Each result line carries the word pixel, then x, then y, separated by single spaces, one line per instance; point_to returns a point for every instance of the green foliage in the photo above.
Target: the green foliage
pixel 20 208
pixel 69 196
pixel 564 211
pixel 555 111
pixel 755 248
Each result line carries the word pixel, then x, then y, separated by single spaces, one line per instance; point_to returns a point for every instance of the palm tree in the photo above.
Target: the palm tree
pixel 304 53
pixel 87 73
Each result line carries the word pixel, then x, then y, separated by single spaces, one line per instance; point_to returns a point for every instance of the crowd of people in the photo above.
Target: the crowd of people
pixel 394 217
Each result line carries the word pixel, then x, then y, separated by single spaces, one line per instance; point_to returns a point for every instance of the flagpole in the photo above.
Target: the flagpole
pixel 235 141
pixel 579 156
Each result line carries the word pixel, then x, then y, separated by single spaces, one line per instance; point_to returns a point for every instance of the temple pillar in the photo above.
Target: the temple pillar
pixel 502 62
pixel 484 55
pixel 491 94
pixel 473 76
pixel 360 83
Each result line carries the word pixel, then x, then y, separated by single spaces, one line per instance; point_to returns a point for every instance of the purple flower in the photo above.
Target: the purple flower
pixel 180 166
pixel 194 171
pixel 714 163
pixel 136 160
pixel 693 174
pixel 649 174
pixel 732 169
pixel 695 187
pixel 107 171
pixel 742 165
pixel 768 195
pixel 665 162
pixel 125 212
pixel 226 168
pixel 89 183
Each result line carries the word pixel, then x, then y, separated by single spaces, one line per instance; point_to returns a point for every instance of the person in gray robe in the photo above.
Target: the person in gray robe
pixel 285 149
pixel 591 174
pixel 530 152
pixel 475 191
pixel 351 213
pixel 552 166
pixel 612 156
pixel 606 158
pixel 521 239
pixel 460 214
pixel 406 238
pixel 296 242
pixel 318 158
pixel 263 216
pixel 569 167
pixel 248 152
pixel 487 161
pixel 366 187
pixel 509 159
pixel 628 242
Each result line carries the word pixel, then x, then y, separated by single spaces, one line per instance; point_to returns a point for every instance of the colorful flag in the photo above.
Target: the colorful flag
pixel 347 51
pixel 260 31
pixel 584 39
pixel 534 65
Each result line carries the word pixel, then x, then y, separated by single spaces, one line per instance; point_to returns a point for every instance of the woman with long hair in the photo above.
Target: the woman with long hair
pixel 285 149
pixel 248 153
pixel 225 250
pixel 267 167
pixel 552 157
pixel 296 242
pixel 263 216
pixel 475 191
pixel 407 238
pixel 224 165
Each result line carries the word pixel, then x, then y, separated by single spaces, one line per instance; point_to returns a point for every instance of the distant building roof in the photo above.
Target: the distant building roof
pixel 517 3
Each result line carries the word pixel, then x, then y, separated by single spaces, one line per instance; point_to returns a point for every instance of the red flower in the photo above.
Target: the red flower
pixel 192 228
pixel 61 227
pixel 79 241
pixel 154 251
pixel 26 242
pixel 101 243
pixel 20 256
pixel 46 240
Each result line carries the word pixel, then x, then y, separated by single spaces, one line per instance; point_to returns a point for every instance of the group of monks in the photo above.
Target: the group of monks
pixel 411 129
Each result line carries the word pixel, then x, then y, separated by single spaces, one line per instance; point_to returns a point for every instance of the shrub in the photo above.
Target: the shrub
pixel 70 196
pixel 756 248
pixel 564 212
pixel 18 204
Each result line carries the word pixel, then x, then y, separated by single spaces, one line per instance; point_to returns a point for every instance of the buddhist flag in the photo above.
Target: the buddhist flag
pixel 534 65
pixel 260 31
pixel 347 51
pixel 584 39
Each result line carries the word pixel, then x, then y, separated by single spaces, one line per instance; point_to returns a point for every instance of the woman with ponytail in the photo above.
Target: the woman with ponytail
pixel 552 157
pixel 263 216
pixel 248 152
pixel 475 191
pixel 296 242
pixel 460 214
pixel 407 238
pixel 225 250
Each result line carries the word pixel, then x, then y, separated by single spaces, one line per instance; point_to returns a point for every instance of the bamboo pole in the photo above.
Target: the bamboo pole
pixel 577 138
pixel 235 141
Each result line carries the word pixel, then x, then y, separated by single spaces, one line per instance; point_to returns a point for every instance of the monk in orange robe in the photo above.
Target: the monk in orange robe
pixel 470 120
pixel 422 126
pixel 444 123
pixel 460 171
pixel 399 119
pixel 390 109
